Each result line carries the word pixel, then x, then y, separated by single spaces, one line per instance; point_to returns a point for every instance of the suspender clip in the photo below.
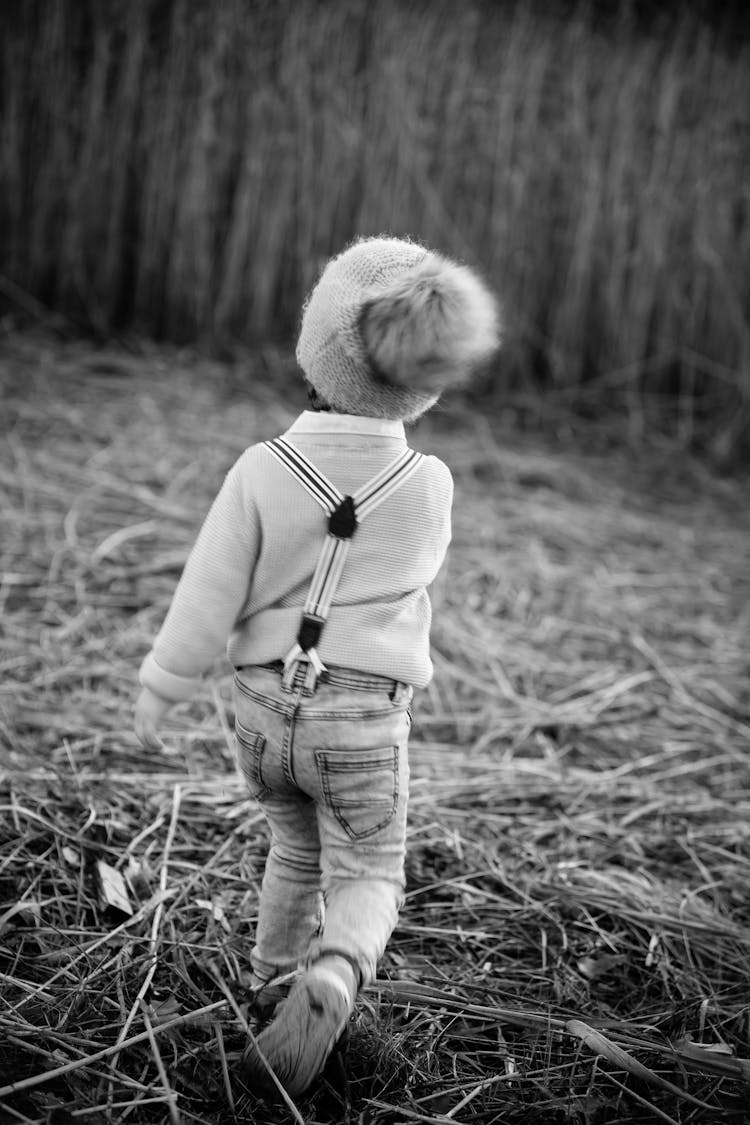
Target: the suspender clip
pixel 310 631
pixel 314 666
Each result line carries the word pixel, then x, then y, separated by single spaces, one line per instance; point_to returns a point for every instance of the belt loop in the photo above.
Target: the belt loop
pixel 311 677
pixel 401 692
pixel 290 678
pixel 288 674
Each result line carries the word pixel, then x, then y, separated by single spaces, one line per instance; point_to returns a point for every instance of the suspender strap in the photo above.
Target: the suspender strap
pixel 345 513
pixel 319 487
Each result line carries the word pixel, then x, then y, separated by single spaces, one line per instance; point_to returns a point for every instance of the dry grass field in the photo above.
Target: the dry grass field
pixel 575 946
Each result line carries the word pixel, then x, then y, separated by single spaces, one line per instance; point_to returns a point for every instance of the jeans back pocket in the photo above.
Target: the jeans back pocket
pixel 360 787
pixel 250 755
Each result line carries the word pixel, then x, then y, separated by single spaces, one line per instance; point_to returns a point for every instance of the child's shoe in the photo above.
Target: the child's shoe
pixel 305 1028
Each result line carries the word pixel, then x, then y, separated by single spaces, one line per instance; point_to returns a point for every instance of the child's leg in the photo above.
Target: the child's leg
pixel 357 765
pixel 290 910
pixel 289 913
pixel 362 829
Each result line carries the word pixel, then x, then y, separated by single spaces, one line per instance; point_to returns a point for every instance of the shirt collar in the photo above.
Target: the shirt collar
pixel 326 422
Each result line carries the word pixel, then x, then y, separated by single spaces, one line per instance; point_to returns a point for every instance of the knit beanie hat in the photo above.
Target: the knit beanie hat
pixel 390 325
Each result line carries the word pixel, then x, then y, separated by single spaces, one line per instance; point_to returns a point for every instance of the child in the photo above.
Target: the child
pixel 312 569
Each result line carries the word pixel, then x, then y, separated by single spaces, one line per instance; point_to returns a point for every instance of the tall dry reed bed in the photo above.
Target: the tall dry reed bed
pixel 184 167
pixel 575 942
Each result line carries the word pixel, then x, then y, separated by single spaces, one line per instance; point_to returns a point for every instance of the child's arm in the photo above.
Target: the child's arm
pixel 208 600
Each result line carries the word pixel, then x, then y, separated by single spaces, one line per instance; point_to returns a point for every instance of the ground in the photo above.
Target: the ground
pixel 575 944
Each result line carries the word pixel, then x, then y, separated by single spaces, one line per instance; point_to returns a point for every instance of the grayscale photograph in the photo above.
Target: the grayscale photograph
pixel 374 562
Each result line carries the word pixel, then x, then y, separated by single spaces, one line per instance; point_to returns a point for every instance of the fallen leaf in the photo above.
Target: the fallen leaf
pixel 112 888
pixel 600 965
pixel 216 912
pixel 165 1010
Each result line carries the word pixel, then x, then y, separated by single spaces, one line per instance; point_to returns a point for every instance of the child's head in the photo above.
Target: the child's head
pixel 390 325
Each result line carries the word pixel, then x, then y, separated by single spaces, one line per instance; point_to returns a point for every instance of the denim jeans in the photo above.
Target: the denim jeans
pixel 329 767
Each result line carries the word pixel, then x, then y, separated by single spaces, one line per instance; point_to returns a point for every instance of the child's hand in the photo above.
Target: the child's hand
pixel 149 712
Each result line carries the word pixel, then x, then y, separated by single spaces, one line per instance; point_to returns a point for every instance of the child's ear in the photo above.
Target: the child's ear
pixel 432 328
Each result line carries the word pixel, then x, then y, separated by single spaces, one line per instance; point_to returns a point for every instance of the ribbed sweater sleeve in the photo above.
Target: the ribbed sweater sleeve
pixel 210 594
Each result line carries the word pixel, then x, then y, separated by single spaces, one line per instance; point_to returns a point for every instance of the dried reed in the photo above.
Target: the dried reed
pixel 184 168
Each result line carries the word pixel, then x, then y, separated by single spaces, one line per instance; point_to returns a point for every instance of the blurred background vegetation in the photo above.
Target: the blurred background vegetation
pixel 180 169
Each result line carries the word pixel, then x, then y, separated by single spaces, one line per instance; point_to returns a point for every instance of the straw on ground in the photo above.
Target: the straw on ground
pixel 576 937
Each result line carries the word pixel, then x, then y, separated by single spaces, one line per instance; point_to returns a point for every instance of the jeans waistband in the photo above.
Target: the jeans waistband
pixel 345 677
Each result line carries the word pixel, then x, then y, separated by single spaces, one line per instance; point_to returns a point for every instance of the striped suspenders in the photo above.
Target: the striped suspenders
pixel 345 513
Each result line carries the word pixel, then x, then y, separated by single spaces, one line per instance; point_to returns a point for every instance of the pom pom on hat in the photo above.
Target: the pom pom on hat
pixel 431 327
pixel 391 325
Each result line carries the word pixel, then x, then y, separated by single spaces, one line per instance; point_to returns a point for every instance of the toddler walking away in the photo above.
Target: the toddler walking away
pixel 312 569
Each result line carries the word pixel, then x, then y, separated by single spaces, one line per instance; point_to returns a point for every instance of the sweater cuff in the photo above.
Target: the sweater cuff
pixel 168 685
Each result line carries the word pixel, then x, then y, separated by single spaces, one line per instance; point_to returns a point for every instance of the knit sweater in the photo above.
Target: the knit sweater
pixel 248 574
